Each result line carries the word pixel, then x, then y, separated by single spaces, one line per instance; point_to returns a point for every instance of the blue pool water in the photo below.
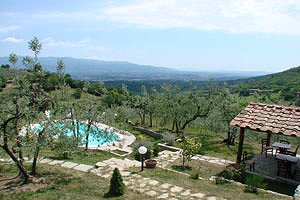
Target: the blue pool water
pixel 97 136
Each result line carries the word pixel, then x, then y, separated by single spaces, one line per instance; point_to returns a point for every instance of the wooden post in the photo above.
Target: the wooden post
pixel 269 139
pixel 240 148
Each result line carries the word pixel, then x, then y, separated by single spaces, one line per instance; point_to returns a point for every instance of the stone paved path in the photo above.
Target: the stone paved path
pixel 167 157
pixel 133 181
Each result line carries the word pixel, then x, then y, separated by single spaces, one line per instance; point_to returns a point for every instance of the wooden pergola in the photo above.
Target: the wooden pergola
pixel 271 119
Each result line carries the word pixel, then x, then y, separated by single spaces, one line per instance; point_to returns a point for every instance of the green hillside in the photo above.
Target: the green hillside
pixel 286 82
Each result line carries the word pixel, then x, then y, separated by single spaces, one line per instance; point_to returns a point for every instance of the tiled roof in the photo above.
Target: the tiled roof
pixel 270 118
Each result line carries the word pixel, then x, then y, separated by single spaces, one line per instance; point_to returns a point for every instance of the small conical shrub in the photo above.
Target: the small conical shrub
pixel 117 187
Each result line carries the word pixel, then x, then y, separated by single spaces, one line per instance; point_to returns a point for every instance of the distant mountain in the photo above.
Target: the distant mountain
pixel 95 70
pixel 286 82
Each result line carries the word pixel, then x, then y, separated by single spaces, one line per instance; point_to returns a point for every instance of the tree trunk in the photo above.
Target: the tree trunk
pixel 150 118
pixel 183 161
pixel 143 119
pixel 193 118
pixel 87 135
pixel 23 171
pixel 173 125
pixel 177 127
pixel 37 152
pixel 75 140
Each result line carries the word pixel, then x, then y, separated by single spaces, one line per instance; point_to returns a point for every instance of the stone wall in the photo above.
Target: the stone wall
pixel 148 132
pixel 163 147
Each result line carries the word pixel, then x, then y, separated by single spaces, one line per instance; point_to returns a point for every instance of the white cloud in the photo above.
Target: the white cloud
pixel 86 43
pixel 9 28
pixel 12 40
pixel 237 16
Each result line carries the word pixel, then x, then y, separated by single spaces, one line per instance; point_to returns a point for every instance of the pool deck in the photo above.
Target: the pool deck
pixel 126 139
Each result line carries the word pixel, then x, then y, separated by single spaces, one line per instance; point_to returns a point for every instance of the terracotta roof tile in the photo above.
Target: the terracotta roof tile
pixel 270 118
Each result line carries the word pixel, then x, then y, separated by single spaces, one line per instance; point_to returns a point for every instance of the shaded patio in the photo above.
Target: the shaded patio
pixel 271 119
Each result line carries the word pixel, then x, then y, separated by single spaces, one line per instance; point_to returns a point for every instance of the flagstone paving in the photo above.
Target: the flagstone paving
pixel 167 157
pixel 150 187
pixel 133 181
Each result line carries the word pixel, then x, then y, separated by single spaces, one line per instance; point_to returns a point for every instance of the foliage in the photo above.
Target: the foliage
pixel 194 175
pixel 253 182
pixel 285 84
pixel 190 147
pixel 234 172
pixel 155 150
pixel 77 93
pixel 169 138
pixel 13 59
pixel 145 143
pixel 117 187
pixel 5 66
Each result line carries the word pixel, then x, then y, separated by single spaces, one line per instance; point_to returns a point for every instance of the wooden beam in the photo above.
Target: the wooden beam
pixel 240 148
pixel 269 139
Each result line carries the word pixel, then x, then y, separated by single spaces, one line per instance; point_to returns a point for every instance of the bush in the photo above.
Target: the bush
pixel 155 150
pixel 137 155
pixel 194 175
pixel 169 139
pixel 234 172
pixel 220 180
pixel 254 182
pixel 117 187
pixel 77 93
pixel 145 143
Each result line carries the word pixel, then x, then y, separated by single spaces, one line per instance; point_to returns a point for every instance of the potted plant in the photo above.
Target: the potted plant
pixel 150 163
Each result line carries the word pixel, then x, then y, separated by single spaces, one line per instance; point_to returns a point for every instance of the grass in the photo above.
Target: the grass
pixel 89 157
pixel 205 169
pixel 66 184
pixel 228 190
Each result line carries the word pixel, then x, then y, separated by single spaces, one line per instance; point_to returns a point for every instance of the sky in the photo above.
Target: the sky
pixel 194 35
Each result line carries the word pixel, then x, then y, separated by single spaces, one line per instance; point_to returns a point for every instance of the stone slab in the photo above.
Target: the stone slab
pixel 186 193
pixel 153 182
pixel 176 189
pixel 100 164
pixel 83 167
pixel 198 195
pixel 165 186
pixel 151 193
pixel 69 164
pixel 45 160
pixel 163 196
pixel 56 162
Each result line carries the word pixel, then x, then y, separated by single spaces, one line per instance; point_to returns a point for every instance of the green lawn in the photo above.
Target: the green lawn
pixel 61 183
pixel 89 157
pixel 227 190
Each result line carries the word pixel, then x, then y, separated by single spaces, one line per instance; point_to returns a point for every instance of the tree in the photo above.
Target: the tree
pixel 28 62
pixel 13 59
pixel 190 147
pixel 60 70
pixel 5 66
pixel 117 187
pixel 36 46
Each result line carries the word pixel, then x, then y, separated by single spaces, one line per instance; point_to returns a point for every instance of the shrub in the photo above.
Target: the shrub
pixel 155 150
pixel 169 139
pixel 194 175
pixel 254 182
pixel 145 143
pixel 117 187
pixel 77 93
pixel 137 155
pixel 234 172
pixel 220 180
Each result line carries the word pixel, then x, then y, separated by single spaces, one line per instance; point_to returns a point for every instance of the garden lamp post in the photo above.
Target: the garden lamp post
pixel 142 150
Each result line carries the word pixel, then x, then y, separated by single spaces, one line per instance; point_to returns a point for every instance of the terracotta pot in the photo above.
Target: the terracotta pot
pixel 150 163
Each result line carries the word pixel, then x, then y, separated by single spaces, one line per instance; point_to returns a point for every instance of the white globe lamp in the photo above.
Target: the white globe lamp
pixel 142 150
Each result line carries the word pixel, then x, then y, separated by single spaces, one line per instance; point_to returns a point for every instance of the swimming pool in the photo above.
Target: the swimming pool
pixel 97 136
